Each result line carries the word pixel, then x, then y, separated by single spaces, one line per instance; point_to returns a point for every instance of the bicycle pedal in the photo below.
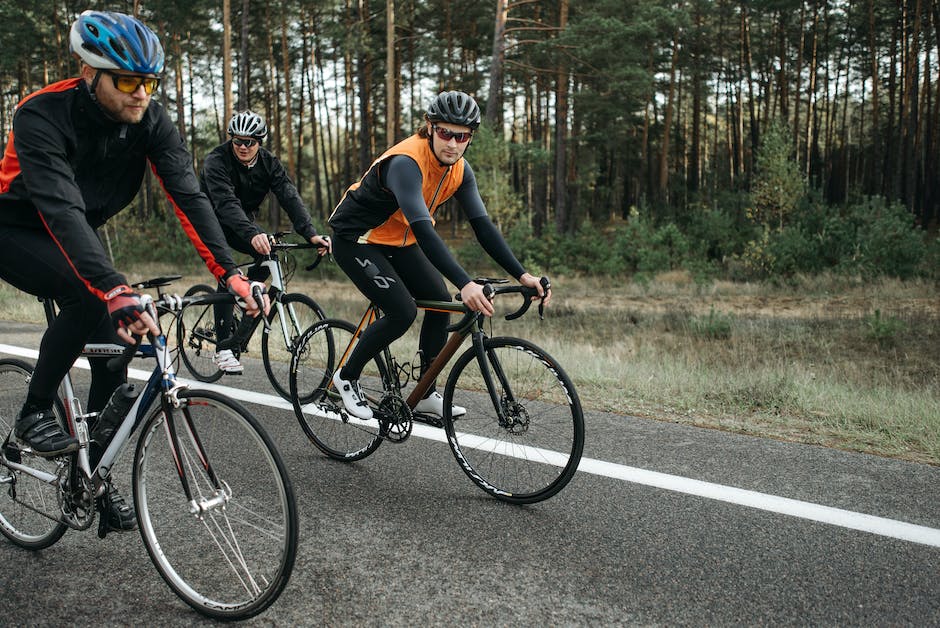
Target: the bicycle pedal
pixel 12 453
pixel 429 419
pixel 103 527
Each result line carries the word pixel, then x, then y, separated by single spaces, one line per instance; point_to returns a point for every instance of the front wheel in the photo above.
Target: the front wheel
pixel 196 336
pixel 523 432
pixel 290 317
pixel 321 350
pixel 215 506
pixel 29 506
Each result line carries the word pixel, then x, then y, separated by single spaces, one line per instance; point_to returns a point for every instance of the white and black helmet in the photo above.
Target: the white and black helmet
pixel 455 108
pixel 248 124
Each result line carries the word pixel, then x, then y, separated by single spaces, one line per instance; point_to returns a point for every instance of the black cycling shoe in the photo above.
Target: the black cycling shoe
pixel 116 512
pixel 42 432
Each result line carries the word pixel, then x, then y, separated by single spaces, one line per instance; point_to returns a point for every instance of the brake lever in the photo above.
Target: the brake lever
pixel 258 295
pixel 546 286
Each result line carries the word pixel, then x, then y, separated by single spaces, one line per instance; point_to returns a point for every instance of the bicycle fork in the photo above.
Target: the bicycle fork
pixel 199 505
pixel 512 415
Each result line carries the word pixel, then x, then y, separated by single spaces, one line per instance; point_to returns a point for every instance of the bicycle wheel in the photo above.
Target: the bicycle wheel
pixel 318 406
pixel 533 450
pixel 233 559
pixel 196 337
pixel 300 312
pixel 22 495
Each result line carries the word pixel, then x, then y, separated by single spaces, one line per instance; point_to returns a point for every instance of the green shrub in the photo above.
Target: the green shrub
pixel 883 329
pixel 715 326
pixel 889 241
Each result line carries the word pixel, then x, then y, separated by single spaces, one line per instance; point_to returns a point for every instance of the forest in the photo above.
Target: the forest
pixel 752 138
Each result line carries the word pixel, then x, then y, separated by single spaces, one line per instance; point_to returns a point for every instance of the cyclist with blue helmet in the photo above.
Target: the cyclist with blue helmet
pixel 75 158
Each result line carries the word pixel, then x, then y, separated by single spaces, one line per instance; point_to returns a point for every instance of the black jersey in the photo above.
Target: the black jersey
pixel 68 168
pixel 237 191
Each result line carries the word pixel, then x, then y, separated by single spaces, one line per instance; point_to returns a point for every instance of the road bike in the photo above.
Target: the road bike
pixel 290 315
pixel 522 436
pixel 215 506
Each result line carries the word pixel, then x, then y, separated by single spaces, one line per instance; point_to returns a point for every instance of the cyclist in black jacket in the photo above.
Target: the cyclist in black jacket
pixel 237 176
pixel 75 158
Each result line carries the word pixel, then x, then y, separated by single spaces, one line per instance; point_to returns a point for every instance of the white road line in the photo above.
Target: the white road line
pixel 881 526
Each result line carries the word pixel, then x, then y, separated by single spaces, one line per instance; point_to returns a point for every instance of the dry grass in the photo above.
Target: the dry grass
pixel 848 364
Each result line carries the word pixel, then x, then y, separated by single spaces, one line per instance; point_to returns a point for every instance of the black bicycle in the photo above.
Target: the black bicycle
pixel 521 437
pixel 291 313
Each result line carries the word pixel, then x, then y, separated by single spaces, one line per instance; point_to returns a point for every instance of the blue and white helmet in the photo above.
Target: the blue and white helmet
pixel 115 41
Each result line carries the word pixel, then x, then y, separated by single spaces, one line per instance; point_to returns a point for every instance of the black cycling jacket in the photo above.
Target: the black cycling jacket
pixel 237 191
pixel 68 168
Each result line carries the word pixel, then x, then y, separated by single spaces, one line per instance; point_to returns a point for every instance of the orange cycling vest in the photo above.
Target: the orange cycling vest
pixel 372 210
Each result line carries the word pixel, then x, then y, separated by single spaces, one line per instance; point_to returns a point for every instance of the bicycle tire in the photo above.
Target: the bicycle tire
pixel 19 492
pixel 318 407
pixel 537 454
pixel 232 562
pixel 196 337
pixel 302 312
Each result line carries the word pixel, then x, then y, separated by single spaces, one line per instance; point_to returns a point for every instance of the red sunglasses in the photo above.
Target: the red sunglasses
pixel 447 134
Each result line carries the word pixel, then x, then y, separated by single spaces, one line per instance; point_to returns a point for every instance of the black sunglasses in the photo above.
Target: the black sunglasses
pixel 447 134
pixel 128 83
pixel 240 142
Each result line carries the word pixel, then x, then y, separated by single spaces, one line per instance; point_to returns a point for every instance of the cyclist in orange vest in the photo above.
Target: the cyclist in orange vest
pixel 384 239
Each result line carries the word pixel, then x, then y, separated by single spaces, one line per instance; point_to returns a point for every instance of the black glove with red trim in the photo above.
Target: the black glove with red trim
pixel 124 306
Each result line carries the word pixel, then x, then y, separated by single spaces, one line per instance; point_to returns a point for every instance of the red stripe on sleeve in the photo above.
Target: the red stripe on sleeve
pixel 191 233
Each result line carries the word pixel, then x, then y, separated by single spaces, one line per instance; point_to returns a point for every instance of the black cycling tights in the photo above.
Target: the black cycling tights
pixel 392 278
pixel 33 263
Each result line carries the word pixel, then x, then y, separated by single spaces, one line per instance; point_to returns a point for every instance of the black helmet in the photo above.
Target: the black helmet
pixel 455 108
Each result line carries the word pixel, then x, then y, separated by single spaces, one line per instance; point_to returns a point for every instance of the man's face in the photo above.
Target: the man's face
pixel 448 151
pixel 128 108
pixel 245 148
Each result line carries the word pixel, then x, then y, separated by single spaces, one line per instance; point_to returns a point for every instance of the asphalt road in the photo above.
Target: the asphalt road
pixel 664 524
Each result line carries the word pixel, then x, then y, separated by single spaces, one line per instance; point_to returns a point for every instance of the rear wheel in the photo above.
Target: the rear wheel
pixel 228 548
pixel 300 312
pixel 27 504
pixel 523 433
pixel 196 336
pixel 318 407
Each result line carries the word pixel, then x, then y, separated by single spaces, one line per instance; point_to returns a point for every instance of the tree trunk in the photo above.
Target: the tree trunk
pixel 494 100
pixel 244 69
pixel 811 93
pixel 798 75
pixel 227 60
pixel 663 182
pixel 562 222
pixel 391 76
pixel 364 81
pixel 288 108
pixel 873 173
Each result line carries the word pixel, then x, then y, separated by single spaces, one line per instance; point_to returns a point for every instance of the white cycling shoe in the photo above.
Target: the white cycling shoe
pixel 228 363
pixel 353 399
pixel 434 404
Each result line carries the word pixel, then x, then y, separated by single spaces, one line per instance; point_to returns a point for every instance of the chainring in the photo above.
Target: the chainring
pixel 395 421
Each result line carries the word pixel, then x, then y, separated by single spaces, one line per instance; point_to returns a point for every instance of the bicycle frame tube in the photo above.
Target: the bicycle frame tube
pixel 450 348
pixel 162 374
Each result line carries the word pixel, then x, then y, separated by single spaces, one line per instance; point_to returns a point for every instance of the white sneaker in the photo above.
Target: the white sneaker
pixel 227 362
pixel 434 404
pixel 353 399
